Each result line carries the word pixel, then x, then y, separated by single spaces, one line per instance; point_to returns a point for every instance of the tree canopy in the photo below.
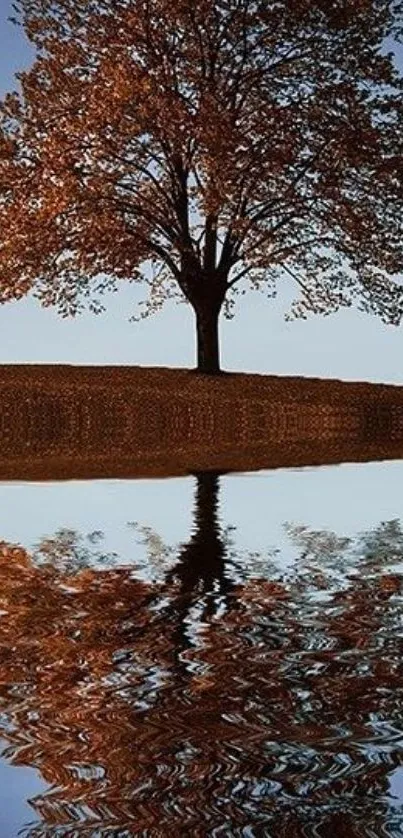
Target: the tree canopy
pixel 203 148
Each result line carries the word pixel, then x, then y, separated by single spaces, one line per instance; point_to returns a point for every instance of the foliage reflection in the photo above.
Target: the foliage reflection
pixel 226 696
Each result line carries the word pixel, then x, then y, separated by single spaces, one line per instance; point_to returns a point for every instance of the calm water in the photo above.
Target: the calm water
pixel 215 655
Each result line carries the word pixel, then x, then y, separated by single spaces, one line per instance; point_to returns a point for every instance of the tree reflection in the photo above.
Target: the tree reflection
pixel 69 551
pixel 196 704
pixel 197 587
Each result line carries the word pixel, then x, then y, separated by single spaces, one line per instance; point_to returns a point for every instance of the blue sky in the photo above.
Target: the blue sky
pixel 348 345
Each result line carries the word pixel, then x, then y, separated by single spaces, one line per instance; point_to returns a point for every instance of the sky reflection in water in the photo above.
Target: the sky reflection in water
pixel 223 665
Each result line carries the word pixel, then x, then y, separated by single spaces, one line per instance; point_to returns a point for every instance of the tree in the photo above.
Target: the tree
pixel 202 147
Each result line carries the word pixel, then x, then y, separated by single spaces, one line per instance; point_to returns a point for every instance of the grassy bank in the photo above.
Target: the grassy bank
pixel 64 421
pixel 187 382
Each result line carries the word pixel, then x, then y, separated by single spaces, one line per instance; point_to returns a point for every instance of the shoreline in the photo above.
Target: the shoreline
pixel 87 422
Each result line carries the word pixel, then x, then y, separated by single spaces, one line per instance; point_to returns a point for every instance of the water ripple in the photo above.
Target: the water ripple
pixel 200 705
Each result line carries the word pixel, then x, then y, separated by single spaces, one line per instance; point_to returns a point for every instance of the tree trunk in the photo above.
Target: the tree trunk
pixel 208 346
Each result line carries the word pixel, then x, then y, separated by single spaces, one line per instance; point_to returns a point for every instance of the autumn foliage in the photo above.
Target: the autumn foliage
pixel 204 148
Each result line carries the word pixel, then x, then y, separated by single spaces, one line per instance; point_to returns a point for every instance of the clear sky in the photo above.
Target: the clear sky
pixel 348 345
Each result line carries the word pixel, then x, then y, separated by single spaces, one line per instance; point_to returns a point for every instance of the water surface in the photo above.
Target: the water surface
pixel 215 655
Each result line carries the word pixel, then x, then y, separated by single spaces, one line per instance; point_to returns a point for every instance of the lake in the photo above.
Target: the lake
pixel 219 654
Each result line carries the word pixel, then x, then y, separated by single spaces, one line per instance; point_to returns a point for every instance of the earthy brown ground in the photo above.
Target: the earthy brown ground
pixel 63 422
pixel 184 381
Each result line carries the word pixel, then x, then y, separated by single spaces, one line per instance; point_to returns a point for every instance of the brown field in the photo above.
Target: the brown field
pixel 64 422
